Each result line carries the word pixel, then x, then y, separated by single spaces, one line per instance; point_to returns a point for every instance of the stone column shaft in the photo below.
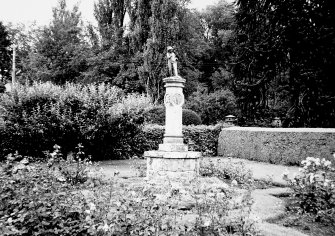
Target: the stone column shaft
pixel 173 100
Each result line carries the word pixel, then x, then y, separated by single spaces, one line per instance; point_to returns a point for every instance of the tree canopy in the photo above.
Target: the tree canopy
pixel 284 59
pixel 272 58
pixel 5 52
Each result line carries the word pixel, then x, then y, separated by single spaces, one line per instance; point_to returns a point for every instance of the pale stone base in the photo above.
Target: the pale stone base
pixel 172 165
pixel 171 147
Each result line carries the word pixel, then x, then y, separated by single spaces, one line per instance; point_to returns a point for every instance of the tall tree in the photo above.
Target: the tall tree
pixel 219 22
pixel 108 55
pixel 60 53
pixel 172 24
pixel 110 15
pixel 136 59
pixel 24 37
pixel 5 53
pixel 285 50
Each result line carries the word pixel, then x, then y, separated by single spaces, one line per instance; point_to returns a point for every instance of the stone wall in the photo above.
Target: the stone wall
pixel 277 145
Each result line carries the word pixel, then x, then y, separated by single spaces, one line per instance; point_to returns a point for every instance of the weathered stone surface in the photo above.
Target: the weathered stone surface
pixel 172 165
pixel 173 100
pixel 172 155
pixel 171 147
pixel 276 145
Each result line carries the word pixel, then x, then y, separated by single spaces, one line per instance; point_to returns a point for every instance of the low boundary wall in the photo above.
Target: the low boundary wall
pixel 277 145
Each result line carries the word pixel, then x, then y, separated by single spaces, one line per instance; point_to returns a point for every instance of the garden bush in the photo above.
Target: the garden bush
pixel 200 138
pixel 314 189
pixel 156 115
pixel 231 171
pixel 104 119
pixel 33 202
pixel 190 117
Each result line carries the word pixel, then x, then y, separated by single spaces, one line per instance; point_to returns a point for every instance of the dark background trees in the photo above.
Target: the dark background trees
pixel 284 59
pixel 5 53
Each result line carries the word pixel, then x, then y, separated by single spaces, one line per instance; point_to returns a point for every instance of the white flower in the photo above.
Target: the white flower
pixel 311 178
pixel 88 212
pixel 207 223
pixel 317 161
pixel 92 206
pixel 234 183
pixel 105 227
pixel 327 163
pixel 327 181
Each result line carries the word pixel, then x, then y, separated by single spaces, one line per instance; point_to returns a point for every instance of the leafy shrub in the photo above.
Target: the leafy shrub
pixel 314 189
pixel 101 117
pixel 191 118
pixel 213 107
pixel 199 138
pixel 2 87
pixel 226 170
pixel 156 115
pixel 33 203
pixel 75 169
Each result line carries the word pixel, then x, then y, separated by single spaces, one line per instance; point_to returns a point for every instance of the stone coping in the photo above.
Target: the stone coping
pixel 172 155
pixel 288 130
pixel 174 79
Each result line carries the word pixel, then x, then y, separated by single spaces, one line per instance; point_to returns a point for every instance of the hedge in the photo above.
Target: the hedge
pixel 200 138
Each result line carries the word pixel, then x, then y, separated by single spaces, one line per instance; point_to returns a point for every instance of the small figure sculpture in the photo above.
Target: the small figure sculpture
pixel 172 61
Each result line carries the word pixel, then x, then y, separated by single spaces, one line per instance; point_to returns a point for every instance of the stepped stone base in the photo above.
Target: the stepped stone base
pixel 172 165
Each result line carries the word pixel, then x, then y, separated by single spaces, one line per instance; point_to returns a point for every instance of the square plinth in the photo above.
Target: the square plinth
pixel 172 165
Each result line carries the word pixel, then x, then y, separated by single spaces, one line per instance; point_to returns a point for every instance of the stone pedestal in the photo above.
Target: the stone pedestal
pixel 172 165
pixel 173 160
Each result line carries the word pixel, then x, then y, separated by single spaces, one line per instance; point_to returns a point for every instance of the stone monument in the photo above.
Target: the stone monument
pixel 173 160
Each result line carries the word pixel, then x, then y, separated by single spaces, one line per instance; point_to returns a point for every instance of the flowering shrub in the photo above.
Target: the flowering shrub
pixel 232 171
pixel 33 202
pixel 314 189
pixel 75 169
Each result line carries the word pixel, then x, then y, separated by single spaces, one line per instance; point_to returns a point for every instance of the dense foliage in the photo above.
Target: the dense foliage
pixel 101 117
pixel 213 107
pixel 284 60
pixel 5 53
pixel 59 52
pixel 275 57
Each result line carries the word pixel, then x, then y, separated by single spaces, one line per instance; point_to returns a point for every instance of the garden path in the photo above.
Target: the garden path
pixel 260 170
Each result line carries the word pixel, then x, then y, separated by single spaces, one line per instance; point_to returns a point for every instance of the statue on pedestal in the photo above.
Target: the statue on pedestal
pixel 172 61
